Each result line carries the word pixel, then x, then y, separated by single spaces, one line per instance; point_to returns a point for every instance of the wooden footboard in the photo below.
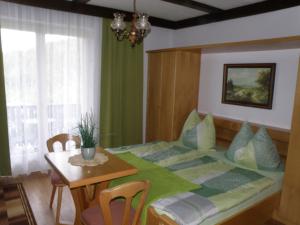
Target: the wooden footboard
pixel 257 214
pixel 153 218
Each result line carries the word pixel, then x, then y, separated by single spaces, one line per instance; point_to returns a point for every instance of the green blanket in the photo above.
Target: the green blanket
pixel 163 182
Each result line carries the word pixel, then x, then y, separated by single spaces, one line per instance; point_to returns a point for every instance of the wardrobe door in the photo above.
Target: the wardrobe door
pixel 173 84
pixel 154 96
pixel 186 88
pixel 167 96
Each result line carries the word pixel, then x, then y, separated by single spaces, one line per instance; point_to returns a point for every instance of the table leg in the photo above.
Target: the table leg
pixel 80 203
pixel 101 186
pixel 97 189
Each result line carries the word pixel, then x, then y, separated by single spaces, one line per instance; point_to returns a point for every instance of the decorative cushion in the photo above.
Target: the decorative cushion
pixel 240 140
pixel 266 153
pixel 192 121
pixel 93 215
pixel 201 136
pixel 246 156
pixel 258 153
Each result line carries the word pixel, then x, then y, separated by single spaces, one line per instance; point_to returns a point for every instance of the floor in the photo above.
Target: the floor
pixel 38 189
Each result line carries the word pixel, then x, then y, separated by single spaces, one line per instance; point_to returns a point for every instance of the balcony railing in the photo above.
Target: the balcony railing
pixel 23 124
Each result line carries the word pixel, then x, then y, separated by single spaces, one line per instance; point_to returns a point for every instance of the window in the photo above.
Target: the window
pixel 51 77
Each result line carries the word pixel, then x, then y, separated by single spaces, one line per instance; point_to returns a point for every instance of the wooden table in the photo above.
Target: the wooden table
pixel 87 182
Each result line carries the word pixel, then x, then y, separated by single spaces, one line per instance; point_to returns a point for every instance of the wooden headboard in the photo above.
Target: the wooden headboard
pixel 226 129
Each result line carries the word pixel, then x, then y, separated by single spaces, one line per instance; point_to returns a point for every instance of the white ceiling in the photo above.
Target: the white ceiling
pixel 169 11
pixel 228 4
pixel 156 8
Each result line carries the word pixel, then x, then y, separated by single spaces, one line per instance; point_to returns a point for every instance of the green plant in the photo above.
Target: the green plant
pixel 87 128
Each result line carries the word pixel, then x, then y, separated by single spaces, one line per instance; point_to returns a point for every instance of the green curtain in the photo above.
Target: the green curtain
pixel 4 148
pixel 121 107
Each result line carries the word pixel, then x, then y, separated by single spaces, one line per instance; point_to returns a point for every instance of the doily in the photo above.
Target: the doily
pixel 99 159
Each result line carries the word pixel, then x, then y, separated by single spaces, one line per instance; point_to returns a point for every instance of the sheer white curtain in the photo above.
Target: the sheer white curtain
pixel 52 76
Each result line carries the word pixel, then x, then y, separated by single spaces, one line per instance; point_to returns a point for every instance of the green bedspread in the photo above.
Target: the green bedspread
pixel 163 182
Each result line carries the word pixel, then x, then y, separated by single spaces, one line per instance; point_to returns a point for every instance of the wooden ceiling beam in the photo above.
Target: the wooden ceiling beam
pixel 81 1
pixel 248 10
pixel 86 9
pixel 195 5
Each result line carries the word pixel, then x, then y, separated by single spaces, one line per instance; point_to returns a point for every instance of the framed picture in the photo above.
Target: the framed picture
pixel 249 84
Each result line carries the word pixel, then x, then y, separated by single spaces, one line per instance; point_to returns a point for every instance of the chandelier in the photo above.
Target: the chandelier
pixel 139 28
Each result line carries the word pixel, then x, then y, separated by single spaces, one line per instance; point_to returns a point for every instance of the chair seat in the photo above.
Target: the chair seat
pixel 93 215
pixel 55 179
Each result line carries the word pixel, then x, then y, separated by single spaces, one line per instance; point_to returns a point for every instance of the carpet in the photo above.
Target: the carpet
pixel 14 205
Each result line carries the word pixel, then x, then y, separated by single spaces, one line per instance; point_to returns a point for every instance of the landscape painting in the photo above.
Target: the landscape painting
pixel 249 84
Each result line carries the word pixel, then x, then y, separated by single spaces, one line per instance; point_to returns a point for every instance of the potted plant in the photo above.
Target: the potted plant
pixel 87 128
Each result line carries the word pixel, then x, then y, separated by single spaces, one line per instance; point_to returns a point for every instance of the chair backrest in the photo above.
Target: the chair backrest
pixel 127 191
pixel 63 139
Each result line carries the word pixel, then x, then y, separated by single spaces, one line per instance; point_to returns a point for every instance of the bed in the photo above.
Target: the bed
pixel 250 195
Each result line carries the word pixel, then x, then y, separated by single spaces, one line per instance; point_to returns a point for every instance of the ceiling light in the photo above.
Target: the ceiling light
pixel 139 28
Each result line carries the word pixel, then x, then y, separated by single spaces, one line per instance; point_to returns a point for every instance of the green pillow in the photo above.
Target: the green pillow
pixel 240 140
pixel 266 153
pixel 201 136
pixel 245 156
pixel 259 153
pixel 192 121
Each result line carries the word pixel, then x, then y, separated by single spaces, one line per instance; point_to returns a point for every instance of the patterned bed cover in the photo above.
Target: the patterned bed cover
pixel 222 184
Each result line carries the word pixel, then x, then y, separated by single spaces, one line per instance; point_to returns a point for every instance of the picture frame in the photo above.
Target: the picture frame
pixel 250 84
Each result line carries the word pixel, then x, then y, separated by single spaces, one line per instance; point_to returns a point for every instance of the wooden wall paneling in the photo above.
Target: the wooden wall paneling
pixel 154 96
pixel 289 208
pixel 187 87
pixel 167 95
pixel 226 129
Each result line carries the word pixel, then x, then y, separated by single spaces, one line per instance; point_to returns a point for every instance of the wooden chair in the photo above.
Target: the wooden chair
pixel 118 212
pixel 56 181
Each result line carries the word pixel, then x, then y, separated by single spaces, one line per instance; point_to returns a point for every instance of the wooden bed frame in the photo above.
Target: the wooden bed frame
pixel 257 214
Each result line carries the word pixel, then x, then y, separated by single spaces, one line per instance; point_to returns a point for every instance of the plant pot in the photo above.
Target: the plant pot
pixel 88 153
